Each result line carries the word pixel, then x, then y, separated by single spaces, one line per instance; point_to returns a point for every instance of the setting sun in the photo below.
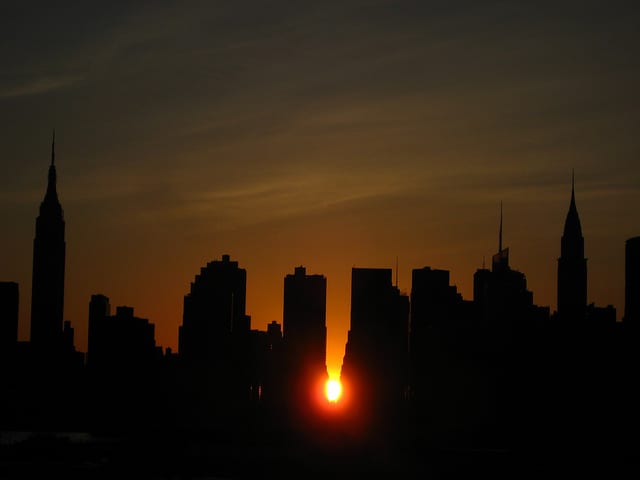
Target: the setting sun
pixel 333 390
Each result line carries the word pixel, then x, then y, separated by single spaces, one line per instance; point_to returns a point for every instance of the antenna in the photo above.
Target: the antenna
pixel 396 271
pixel 500 233
pixel 53 145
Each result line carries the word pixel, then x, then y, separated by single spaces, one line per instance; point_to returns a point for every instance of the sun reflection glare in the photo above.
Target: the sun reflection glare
pixel 333 390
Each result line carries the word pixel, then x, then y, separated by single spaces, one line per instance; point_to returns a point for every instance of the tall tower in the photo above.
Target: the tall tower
pixel 214 342
pixel 304 319
pixel 374 368
pixel 47 288
pixel 572 267
pixel 305 334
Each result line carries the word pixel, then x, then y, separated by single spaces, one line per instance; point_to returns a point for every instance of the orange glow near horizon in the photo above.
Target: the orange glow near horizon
pixel 333 390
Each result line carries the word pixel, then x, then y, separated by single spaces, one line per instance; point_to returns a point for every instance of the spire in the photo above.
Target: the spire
pixel 48 329
pixel 572 234
pixel 573 189
pixel 53 148
pixel 572 223
pixel 500 261
pixel 572 266
pixel 500 232
pixel 51 197
pixel 396 271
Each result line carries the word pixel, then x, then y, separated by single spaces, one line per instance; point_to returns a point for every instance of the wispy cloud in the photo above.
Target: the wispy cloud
pixel 296 195
pixel 38 86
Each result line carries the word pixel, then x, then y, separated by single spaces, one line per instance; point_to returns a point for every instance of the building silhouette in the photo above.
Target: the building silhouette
pixel 121 342
pixel 443 390
pixel 465 356
pixel 496 351
pixel 572 267
pixel 214 309
pixel 264 348
pixel 274 334
pixel 9 302
pixel 47 289
pixel 501 296
pixel 99 310
pixel 375 367
pixel 305 336
pixel 632 281
pixel 436 306
pixel 45 372
pixel 271 384
pixel 123 369
pixel 215 342
pixel 597 315
pixel 493 373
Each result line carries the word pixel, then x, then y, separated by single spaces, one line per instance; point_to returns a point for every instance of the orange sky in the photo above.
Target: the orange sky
pixel 336 135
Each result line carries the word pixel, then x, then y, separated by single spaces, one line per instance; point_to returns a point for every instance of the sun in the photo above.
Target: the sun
pixel 333 390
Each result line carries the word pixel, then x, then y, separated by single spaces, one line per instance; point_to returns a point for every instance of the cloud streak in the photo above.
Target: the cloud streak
pixel 39 86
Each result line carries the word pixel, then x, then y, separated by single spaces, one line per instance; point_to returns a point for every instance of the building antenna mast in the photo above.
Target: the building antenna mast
pixel 500 232
pixel 396 271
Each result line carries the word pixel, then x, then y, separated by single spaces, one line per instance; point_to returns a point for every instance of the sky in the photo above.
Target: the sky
pixel 325 134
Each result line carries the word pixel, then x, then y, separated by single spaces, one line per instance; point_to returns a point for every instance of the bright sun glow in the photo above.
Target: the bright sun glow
pixel 333 390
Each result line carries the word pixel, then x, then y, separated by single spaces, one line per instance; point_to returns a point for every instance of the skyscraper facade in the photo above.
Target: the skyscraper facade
pixel 305 334
pixel 215 343
pixel 47 289
pixel 99 310
pixel 436 307
pixel 304 318
pixel 375 367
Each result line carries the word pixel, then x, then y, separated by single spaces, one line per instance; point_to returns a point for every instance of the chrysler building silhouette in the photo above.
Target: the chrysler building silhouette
pixel 572 267
pixel 47 288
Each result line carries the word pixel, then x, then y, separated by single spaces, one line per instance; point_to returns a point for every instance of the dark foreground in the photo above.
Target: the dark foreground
pixel 176 456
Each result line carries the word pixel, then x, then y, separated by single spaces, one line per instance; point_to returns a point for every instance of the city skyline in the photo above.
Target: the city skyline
pixel 572 230
pixel 329 136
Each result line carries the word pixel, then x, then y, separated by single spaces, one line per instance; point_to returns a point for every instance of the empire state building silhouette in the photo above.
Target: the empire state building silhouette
pixel 47 288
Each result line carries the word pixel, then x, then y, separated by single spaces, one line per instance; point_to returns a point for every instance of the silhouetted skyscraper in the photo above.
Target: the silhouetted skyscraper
pixel 433 300
pixel 375 367
pixel 274 332
pixel 121 341
pixel 572 268
pixel 47 289
pixel 632 281
pixel 99 310
pixel 305 335
pixel 215 343
pixel 304 319
pixel 214 309
pixel 123 365
pixel 500 260
pixel 8 315
pixel 435 305
pixel 501 296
